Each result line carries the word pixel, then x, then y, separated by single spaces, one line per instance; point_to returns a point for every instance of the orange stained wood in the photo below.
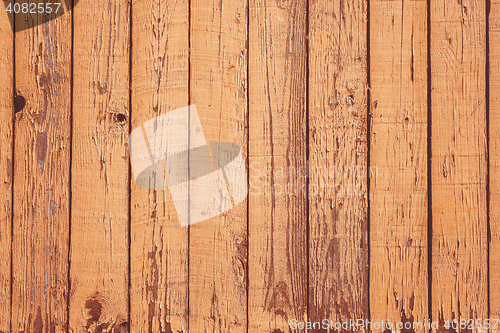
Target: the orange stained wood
pixel 6 142
pixel 41 198
pixel 338 160
pixel 398 159
pixel 277 264
pixel 459 288
pixel 218 88
pixel 159 245
pixel 99 170
pixel 494 161
pixel 369 134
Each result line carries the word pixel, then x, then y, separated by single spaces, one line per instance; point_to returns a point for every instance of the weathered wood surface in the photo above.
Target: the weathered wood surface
pixel 318 95
pixel 398 162
pixel 494 161
pixel 218 88
pixel 277 263
pixel 159 246
pixel 338 160
pixel 459 171
pixel 99 168
pixel 42 147
pixel 6 141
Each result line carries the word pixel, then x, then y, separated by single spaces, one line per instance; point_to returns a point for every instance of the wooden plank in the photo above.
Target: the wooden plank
pixel 6 142
pixel 159 245
pixel 99 211
pixel 494 155
pixel 218 88
pixel 338 201
pixel 398 157
pixel 458 160
pixel 42 177
pixel 278 165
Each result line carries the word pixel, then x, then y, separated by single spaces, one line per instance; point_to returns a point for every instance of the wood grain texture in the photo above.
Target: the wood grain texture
pixel 494 155
pixel 338 202
pixel 218 88
pixel 287 81
pixel 41 177
pixel 159 245
pixel 99 211
pixel 6 141
pixel 398 157
pixel 458 160
pixel 278 165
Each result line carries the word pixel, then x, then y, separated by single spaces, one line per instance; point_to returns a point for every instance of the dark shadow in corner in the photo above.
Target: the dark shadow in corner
pixel 31 13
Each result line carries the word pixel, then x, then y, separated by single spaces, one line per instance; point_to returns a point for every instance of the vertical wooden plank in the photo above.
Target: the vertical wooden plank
pixel 494 154
pixel 338 202
pixel 218 88
pixel 159 245
pixel 458 160
pixel 278 165
pixel 99 214
pixel 41 177
pixel 6 137
pixel 398 157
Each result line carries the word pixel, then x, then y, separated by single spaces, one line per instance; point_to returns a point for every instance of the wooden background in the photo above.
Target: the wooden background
pixel 392 106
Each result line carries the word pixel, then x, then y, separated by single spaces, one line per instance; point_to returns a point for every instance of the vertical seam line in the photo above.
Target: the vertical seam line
pixel 307 163
pixel 429 164
pixel 12 167
pixel 70 185
pixel 129 236
pixel 368 160
pixel 488 188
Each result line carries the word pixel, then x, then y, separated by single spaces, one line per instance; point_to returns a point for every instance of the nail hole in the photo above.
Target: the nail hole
pixel 350 100
pixel 19 103
pixel 122 328
pixel 120 118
